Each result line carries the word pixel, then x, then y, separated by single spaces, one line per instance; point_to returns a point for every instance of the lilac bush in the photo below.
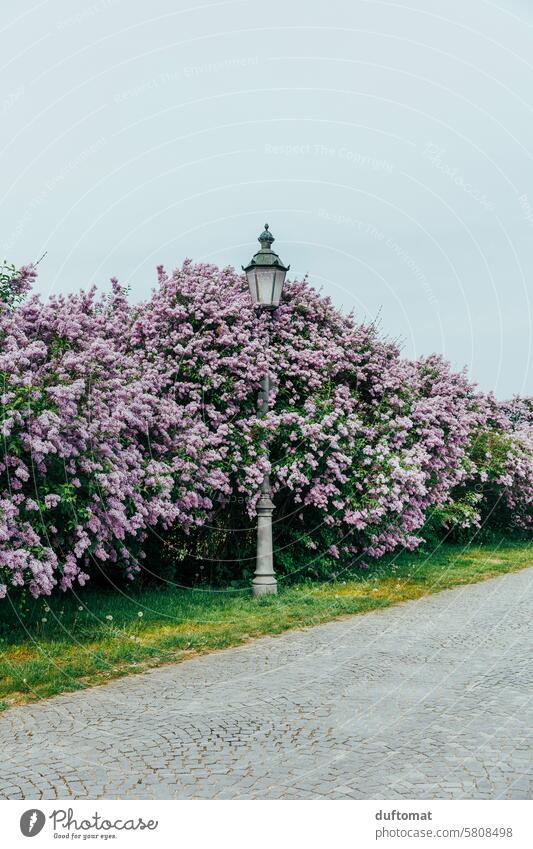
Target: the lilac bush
pixel 363 444
pixel 121 421
pixel 502 465
pixel 79 483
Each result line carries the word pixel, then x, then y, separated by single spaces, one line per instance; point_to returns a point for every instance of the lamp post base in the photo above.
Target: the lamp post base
pixel 264 581
pixel 264 586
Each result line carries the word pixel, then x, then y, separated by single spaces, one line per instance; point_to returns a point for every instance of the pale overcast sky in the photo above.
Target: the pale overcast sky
pixel 388 144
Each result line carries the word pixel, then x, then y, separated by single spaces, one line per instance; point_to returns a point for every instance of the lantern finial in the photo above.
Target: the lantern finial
pixel 266 238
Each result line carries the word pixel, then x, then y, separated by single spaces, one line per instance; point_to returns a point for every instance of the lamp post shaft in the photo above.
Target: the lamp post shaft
pixel 264 580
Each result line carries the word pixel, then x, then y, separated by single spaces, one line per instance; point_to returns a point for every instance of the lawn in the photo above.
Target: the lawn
pixel 90 637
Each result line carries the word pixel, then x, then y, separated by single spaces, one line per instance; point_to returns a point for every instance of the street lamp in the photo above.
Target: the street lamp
pixel 266 275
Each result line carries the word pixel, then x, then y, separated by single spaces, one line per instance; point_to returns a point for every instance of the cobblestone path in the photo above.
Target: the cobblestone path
pixel 429 699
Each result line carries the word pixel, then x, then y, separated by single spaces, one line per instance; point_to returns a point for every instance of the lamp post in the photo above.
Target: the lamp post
pixel 266 275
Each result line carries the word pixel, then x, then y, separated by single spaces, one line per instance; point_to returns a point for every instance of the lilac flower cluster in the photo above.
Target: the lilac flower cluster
pixel 117 418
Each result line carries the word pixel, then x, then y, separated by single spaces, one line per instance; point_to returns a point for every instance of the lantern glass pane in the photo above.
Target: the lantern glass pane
pixel 250 276
pixel 278 286
pixel 265 286
pixel 261 283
